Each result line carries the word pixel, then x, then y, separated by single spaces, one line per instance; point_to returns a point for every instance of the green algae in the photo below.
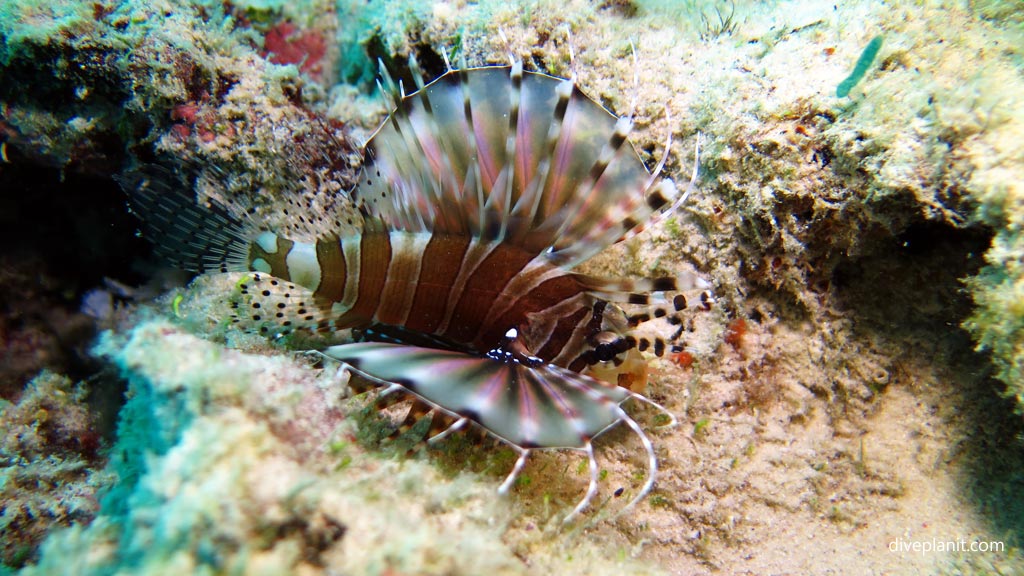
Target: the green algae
pixel 867 57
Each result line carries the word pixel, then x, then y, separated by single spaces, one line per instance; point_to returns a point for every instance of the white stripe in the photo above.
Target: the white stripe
pixel 475 254
pixel 260 265
pixel 303 267
pixel 542 328
pixel 350 249
pixel 268 242
pixel 536 272
pixel 405 246
pixel 574 345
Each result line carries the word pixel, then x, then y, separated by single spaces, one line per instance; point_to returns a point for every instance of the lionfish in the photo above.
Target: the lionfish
pixel 478 195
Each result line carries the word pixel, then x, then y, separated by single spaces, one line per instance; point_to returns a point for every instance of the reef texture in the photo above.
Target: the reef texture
pixel 831 402
pixel 48 464
pixel 242 463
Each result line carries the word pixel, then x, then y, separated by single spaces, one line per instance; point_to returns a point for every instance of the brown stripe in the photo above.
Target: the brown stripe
pixel 562 333
pixel 578 365
pixel 332 269
pixel 442 259
pixel 278 260
pixel 374 257
pixel 401 280
pixel 541 297
pixel 483 287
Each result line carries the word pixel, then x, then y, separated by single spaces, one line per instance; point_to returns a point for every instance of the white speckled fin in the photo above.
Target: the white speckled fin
pixel 263 304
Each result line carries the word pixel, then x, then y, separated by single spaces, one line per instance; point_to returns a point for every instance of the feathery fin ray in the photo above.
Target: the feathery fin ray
pixel 565 409
pixel 187 235
pixel 514 156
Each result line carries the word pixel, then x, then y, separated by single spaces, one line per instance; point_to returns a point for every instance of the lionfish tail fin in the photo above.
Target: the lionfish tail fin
pixel 276 308
pixel 193 237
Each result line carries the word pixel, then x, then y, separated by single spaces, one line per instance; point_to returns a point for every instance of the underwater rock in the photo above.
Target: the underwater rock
pixel 50 464
pixel 237 462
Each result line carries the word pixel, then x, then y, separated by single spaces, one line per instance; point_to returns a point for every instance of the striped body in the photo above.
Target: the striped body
pixel 463 290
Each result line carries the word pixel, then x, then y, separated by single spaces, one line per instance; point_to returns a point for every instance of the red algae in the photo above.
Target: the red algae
pixel 286 44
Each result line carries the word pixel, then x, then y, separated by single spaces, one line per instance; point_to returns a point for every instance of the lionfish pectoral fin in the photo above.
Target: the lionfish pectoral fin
pixel 187 235
pixel 652 458
pixel 672 420
pixel 591 487
pixel 537 407
pixel 528 407
pixel 454 427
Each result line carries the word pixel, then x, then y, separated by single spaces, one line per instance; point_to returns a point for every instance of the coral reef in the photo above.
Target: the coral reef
pixel 829 397
pixel 49 464
pixel 236 462
pixel 134 80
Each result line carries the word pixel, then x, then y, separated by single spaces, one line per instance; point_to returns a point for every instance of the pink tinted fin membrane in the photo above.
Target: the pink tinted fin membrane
pixel 503 154
pixel 529 407
pixel 544 406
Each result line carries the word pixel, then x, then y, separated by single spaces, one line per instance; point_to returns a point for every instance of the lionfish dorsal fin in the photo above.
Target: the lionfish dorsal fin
pixel 511 156
pixel 631 217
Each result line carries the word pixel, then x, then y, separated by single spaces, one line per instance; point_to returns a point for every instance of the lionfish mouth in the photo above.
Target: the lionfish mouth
pixel 478 196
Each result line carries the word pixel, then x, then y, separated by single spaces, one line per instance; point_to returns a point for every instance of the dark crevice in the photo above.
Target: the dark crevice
pixel 913 280
pixel 62 238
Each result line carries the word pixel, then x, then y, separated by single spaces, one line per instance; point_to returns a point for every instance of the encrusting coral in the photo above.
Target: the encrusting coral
pixel 228 461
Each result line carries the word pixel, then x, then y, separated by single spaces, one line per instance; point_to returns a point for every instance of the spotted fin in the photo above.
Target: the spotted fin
pixel 263 304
